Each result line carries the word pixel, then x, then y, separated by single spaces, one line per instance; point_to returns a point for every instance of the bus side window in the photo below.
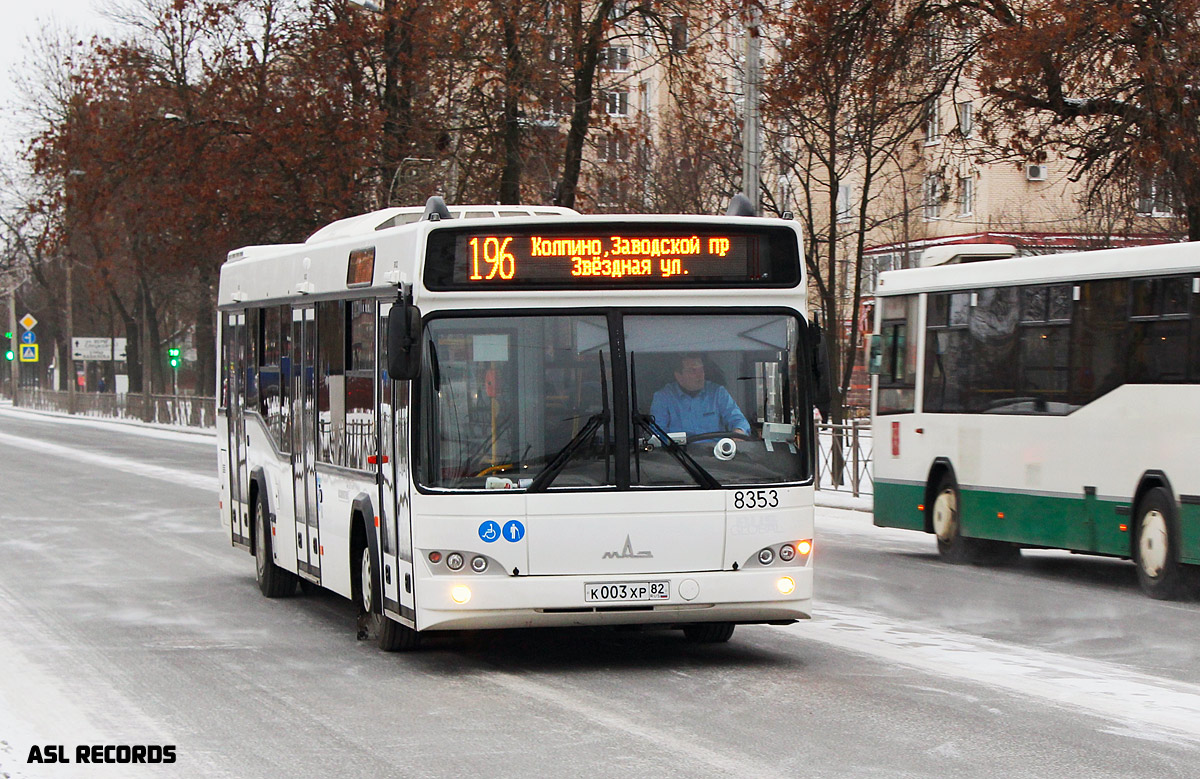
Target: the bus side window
pixel 1099 338
pixel 898 356
pixel 253 340
pixel 360 384
pixel 269 394
pixel 331 382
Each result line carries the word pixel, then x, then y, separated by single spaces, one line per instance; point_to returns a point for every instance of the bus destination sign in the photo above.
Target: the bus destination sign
pixel 617 255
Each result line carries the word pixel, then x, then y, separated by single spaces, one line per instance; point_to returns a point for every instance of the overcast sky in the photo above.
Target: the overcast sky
pixel 22 20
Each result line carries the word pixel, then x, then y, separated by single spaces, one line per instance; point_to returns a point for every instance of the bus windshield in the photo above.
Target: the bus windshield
pixel 533 402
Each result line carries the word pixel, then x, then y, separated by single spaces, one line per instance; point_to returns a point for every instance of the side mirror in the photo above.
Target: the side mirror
pixel 875 363
pixel 404 342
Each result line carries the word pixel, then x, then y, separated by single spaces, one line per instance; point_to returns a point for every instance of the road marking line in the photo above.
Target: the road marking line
pixel 172 475
pixel 1104 689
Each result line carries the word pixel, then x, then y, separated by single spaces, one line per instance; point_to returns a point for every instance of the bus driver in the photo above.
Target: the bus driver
pixel 692 405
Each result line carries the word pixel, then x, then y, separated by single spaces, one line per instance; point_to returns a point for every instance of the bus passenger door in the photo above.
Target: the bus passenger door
pixel 304 420
pixel 235 367
pixel 394 525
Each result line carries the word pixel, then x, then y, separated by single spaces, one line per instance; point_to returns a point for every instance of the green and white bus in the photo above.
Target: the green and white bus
pixel 1044 402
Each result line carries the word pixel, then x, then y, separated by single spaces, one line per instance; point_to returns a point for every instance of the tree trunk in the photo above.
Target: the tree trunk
pixel 514 87
pixel 587 53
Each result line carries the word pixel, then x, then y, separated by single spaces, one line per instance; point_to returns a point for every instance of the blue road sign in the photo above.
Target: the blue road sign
pixel 513 530
pixel 28 337
pixel 489 531
pixel 28 353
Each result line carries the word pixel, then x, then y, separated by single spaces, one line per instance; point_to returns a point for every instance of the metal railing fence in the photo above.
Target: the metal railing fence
pixel 844 454
pixel 844 451
pixel 185 410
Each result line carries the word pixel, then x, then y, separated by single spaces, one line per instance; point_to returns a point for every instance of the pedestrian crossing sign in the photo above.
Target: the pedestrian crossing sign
pixel 29 352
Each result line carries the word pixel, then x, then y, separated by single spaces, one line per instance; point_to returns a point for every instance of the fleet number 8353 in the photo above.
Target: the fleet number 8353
pixel 756 499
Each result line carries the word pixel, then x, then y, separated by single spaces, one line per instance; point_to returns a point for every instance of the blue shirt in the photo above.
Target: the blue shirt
pixel 710 410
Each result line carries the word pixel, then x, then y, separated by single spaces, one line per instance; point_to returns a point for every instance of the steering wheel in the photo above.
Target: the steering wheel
pixel 734 434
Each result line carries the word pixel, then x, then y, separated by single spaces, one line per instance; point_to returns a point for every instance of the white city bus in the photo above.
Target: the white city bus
pixel 1047 402
pixel 446 416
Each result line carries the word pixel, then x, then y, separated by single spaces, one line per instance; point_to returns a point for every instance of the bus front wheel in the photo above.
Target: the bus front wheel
pixel 391 635
pixel 1159 572
pixel 273 581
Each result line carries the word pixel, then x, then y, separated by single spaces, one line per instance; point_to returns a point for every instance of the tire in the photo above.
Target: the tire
pixel 709 632
pixel 1154 550
pixel 944 518
pixel 372 622
pixel 273 581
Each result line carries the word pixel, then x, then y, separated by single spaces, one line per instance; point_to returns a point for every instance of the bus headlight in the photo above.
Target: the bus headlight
pixel 804 547
pixel 787 552
pixel 479 564
pixel 766 556
pixel 460 594
pixel 786 585
pixel 454 561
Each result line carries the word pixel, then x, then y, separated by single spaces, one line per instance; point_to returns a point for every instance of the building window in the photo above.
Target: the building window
pixel 644 95
pixel 1155 199
pixel 933 122
pixel 844 209
pixel 679 35
pixel 932 196
pixel 613 148
pixel 616 103
pixel 610 193
pixel 966 119
pixel 966 195
pixel 615 58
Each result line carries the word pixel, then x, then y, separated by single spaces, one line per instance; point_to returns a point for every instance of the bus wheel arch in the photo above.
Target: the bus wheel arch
pixel 943 516
pixel 273 581
pixel 1154 542
pixel 937 472
pixel 366 586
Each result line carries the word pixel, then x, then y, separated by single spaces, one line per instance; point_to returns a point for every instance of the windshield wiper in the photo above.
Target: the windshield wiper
pixel 560 460
pixel 694 469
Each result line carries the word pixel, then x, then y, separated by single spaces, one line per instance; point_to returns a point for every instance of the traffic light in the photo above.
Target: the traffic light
pixel 8 335
pixel 173 356
pixel 9 355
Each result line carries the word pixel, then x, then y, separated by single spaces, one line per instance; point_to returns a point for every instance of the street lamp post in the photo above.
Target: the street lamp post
pixel 751 148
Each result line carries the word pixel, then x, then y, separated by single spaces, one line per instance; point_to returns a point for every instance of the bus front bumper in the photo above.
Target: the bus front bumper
pixel 745 596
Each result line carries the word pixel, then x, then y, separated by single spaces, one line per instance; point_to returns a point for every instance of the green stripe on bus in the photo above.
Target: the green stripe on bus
pixel 1189 532
pixel 898 505
pixel 1084 524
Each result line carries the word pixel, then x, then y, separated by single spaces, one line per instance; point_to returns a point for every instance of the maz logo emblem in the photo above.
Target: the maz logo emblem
pixel 627 551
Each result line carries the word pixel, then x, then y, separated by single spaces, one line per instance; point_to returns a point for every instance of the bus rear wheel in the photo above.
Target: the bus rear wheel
pixel 709 632
pixel 1159 572
pixel 953 546
pixel 273 581
pixel 391 635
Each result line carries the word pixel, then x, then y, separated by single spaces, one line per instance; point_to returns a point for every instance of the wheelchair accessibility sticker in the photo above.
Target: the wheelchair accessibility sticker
pixel 489 531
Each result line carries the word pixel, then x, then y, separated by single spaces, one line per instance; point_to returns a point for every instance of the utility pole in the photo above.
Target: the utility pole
pixel 751 148
pixel 14 367
pixel 147 407
pixel 70 355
